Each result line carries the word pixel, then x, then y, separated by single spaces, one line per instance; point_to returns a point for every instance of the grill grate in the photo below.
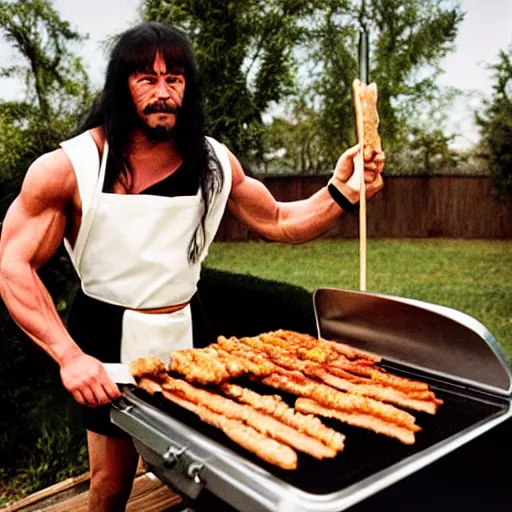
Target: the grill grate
pixel 365 453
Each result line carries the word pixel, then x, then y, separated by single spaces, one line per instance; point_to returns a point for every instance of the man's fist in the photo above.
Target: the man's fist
pixel 373 167
pixel 86 379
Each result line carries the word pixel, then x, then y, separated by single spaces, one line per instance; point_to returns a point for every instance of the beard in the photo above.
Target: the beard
pixel 160 132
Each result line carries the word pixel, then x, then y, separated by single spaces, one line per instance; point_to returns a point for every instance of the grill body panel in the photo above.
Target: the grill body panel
pixel 190 455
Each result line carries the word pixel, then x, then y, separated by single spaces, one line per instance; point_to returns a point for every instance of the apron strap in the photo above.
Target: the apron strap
pixel 88 218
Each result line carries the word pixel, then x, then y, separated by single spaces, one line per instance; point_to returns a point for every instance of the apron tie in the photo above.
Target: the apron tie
pixel 161 311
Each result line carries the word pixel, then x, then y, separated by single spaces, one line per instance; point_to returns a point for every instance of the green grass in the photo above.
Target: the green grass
pixel 473 276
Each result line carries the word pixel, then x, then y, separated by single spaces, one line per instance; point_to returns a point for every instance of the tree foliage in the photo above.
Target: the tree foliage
pixel 54 95
pixel 303 54
pixel 496 124
pixel 56 89
pixel 244 50
pixel 408 38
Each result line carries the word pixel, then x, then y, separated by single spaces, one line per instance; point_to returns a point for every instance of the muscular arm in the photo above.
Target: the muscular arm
pixel 32 231
pixel 296 221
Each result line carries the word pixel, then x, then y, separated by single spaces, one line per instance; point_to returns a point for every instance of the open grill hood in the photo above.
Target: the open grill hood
pixel 451 351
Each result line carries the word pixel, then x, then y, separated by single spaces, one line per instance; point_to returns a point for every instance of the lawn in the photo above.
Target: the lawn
pixel 473 276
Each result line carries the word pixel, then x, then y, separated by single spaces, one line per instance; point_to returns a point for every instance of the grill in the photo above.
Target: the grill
pixel 451 351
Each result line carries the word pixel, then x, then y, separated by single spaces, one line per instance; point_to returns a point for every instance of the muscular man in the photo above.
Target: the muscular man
pixel 137 198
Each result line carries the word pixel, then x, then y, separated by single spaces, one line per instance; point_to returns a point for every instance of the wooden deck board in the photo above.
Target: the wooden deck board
pixel 148 495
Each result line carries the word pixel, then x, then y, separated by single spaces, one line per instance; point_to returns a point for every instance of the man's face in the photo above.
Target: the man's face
pixel 157 96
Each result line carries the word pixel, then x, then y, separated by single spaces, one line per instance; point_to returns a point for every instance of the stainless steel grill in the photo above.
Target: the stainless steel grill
pixel 454 353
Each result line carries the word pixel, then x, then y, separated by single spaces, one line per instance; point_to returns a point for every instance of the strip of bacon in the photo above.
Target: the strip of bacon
pixel 255 419
pixel 384 394
pixel 330 397
pixel 247 437
pixel 380 375
pixel 307 342
pixel 403 388
pixel 274 405
pixel 351 352
pixel 365 421
pixel 267 449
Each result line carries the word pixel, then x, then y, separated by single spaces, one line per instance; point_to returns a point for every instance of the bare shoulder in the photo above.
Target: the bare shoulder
pixel 50 181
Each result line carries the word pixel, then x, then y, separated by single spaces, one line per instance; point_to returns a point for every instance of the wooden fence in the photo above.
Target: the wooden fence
pixel 423 206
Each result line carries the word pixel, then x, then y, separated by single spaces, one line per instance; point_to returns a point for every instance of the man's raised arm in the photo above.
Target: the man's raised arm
pixel 298 221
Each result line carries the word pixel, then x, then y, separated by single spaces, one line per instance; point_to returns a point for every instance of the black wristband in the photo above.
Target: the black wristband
pixel 341 200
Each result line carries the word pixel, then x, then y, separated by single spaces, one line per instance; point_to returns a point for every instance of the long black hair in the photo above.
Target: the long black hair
pixel 135 51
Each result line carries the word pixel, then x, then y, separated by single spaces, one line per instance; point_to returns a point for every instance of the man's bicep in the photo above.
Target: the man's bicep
pixel 252 203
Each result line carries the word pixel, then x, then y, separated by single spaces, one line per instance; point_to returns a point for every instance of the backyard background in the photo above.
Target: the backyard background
pixel 276 77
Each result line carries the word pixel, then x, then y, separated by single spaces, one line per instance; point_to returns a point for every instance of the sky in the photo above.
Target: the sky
pixel 486 29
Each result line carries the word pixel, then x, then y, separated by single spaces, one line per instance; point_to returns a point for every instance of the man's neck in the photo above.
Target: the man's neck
pixel 159 153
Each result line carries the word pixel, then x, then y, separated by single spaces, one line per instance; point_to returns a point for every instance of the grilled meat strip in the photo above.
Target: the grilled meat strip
pixel 274 405
pixel 381 393
pixel 330 397
pixel 419 394
pixel 259 421
pixel 264 447
pixel 318 350
pixel 379 375
pixel 365 421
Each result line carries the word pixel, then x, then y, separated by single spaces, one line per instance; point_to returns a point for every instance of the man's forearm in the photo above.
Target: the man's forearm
pixel 32 308
pixel 300 221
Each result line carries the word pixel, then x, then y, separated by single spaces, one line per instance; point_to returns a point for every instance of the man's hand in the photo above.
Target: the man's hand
pixel 86 379
pixel 373 167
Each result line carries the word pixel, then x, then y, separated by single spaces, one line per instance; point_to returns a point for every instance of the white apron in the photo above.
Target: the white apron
pixel 132 251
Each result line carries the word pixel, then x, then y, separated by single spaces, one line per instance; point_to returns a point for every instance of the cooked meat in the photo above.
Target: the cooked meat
pixel 274 405
pixel 365 421
pixel 149 385
pixel 379 375
pixel 255 419
pixel 147 366
pixel 330 397
pixel 267 449
pixel 384 394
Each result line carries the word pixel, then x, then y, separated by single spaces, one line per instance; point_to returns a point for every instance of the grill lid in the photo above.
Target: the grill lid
pixel 423 336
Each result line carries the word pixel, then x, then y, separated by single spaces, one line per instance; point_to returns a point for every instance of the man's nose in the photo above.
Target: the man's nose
pixel 162 88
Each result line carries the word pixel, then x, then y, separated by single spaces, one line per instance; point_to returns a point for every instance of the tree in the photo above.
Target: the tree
pixel 244 50
pixel 55 82
pixel 56 92
pixel 253 54
pixel 496 124
pixel 407 40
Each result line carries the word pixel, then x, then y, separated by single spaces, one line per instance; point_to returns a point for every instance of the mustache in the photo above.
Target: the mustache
pixel 156 107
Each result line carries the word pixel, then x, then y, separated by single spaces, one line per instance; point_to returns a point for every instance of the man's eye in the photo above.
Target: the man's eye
pixel 148 80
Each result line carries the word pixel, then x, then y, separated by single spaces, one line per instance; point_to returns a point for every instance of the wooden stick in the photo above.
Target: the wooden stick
pixel 359 172
pixel 362 228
